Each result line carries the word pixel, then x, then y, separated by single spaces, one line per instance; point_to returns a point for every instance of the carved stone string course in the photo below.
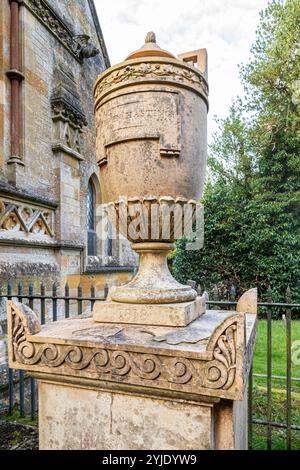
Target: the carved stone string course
pixel 77 45
pixel 215 369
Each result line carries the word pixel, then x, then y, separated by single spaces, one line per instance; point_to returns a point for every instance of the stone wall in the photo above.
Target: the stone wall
pixel 43 201
pixel 43 196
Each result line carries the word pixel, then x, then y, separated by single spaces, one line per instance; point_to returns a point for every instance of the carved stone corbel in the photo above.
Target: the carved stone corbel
pixel 84 48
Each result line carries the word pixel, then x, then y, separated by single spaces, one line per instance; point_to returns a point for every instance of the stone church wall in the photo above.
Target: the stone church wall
pixel 43 190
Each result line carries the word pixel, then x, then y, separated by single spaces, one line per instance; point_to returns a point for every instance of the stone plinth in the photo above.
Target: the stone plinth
pixel 178 314
pixel 120 386
pixel 89 418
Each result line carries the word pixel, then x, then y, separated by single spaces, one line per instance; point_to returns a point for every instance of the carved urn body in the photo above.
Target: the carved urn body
pixel 151 149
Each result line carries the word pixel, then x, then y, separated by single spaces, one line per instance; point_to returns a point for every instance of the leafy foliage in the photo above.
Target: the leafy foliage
pixel 252 196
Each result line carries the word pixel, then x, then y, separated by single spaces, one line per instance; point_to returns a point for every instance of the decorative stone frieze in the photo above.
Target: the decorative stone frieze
pixel 155 70
pixel 24 218
pixel 134 355
pixel 159 218
pixel 77 45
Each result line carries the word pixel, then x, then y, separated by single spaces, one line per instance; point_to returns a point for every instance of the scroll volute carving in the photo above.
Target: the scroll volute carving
pixel 227 346
pixel 22 323
pixel 217 371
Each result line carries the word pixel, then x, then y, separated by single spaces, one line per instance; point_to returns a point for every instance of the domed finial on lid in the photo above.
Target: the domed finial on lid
pixel 150 37
pixel 149 49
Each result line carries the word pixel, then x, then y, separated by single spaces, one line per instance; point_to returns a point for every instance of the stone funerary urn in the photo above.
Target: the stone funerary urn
pixel 151 114
pixel 149 368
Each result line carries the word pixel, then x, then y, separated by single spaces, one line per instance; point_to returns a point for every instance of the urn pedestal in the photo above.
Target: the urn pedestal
pixel 119 386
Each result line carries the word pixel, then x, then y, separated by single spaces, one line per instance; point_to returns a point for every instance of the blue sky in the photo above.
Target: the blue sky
pixel 226 28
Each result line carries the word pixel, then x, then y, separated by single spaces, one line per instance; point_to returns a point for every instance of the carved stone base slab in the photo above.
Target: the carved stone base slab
pixel 178 314
pixel 210 357
pixel 129 386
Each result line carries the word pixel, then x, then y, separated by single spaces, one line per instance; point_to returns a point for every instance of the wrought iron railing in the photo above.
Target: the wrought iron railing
pixel 266 310
pixel 61 307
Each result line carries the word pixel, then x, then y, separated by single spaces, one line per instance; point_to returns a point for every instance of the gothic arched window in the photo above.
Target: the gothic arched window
pixel 91 200
pixel 108 244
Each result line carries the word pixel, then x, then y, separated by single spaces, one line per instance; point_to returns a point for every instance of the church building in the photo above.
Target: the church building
pixel 51 52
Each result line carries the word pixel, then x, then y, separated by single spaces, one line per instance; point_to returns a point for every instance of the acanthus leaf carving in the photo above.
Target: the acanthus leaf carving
pixel 221 371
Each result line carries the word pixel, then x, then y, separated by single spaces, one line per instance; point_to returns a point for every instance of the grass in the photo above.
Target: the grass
pixel 16 418
pixel 278 348
pixel 260 401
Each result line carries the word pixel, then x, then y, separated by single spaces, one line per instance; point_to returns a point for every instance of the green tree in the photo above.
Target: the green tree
pixel 252 197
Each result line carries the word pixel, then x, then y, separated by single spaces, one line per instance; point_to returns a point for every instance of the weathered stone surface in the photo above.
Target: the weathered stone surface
pixel 152 158
pixel 153 284
pixel 196 58
pixel 48 200
pixel 209 358
pixel 120 386
pixel 159 121
pixel 248 302
pixel 43 203
pixel 179 314
pixel 82 418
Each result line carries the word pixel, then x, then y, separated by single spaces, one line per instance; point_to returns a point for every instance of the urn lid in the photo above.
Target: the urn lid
pixel 150 49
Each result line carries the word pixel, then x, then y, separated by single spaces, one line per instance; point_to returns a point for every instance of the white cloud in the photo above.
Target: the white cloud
pixel 225 27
